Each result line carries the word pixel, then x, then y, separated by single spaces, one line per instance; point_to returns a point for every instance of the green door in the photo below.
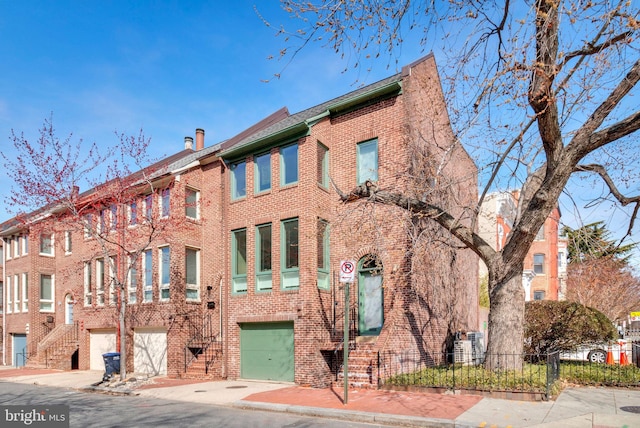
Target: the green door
pixel 266 351
pixel 370 297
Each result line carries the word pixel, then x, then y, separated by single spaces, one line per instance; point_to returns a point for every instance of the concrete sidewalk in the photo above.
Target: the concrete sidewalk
pixel 574 408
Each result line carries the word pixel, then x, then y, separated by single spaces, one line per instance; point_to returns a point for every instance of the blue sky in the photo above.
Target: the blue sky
pixel 167 67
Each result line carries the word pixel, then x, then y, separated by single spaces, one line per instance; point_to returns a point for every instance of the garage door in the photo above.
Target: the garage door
pixel 266 351
pixel 150 351
pixel 100 342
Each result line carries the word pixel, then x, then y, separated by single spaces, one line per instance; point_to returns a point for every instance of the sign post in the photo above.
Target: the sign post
pixel 347 273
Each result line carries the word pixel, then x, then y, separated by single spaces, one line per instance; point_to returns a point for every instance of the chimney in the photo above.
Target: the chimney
pixel 199 139
pixel 188 143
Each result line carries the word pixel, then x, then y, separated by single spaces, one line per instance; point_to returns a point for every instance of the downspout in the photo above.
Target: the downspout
pixel 4 304
pixel 224 301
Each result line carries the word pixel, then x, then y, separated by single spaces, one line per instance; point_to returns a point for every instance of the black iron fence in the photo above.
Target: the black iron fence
pixel 536 374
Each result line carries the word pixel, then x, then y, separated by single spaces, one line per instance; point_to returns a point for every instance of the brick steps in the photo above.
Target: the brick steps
pixel 362 369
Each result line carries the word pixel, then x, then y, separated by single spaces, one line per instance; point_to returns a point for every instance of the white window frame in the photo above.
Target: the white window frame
pixel 9 294
pixel 113 217
pixel 165 202
pixel 25 245
pixel 16 247
pixel 51 246
pixel 9 249
pixel 542 265
pixel 148 207
pixel 132 213
pixel 16 293
pixel 100 277
pixel 132 281
pixel 25 292
pixel 113 278
pixel 192 205
pixel 147 273
pixel 88 291
pixel 68 242
pixel 51 301
pixel 164 267
pixel 88 226
pixel 190 285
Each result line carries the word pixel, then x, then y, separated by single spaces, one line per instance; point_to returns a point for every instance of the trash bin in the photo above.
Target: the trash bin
pixel 111 364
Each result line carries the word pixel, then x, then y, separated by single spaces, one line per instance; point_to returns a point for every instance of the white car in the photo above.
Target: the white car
pixel 598 353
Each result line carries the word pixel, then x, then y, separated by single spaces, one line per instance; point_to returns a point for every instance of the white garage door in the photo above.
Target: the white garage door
pixel 150 351
pixel 100 342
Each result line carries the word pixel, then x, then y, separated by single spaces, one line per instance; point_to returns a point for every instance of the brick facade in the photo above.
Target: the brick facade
pixel 429 289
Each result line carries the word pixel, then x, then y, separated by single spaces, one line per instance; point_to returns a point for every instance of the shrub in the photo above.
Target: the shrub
pixel 563 326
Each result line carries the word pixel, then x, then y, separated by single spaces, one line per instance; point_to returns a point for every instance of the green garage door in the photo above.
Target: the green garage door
pixel 266 351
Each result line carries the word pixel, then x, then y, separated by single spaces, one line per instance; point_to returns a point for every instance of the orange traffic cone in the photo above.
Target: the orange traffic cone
pixel 623 354
pixel 609 356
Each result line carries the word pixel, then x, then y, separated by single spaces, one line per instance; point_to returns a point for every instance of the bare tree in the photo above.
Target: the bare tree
pixel 540 93
pixel 47 177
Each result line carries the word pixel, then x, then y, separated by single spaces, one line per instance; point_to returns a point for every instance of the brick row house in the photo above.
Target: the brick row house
pixel 544 274
pixel 243 279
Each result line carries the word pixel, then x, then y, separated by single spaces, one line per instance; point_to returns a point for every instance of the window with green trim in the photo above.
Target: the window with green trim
pixel 289 164
pixel 323 166
pixel 262 175
pixel 367 161
pixel 238 180
pixel 239 261
pixel 263 257
pixel 323 254
pixel 290 262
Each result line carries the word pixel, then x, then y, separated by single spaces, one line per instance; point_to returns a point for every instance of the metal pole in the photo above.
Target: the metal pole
pixel 345 346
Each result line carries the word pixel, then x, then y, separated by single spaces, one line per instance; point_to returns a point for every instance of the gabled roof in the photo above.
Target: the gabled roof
pixel 299 124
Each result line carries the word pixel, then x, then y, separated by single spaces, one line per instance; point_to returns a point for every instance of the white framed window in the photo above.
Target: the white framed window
pixel 9 250
pixel 88 289
pixel 165 202
pixel 25 292
pixel 16 293
pixel 538 264
pixel 148 276
pixel 132 281
pixel 100 282
pixel 192 203
pixel 113 217
pixel 165 272
pixel 46 244
pixel 88 225
pixel 47 293
pixel 367 161
pixel 67 242
pixel 132 213
pixel 238 180
pixel 9 295
pixel 113 279
pixel 16 247
pixel 192 273
pixel 289 165
pixel 148 207
pixel 25 244
pixel 103 222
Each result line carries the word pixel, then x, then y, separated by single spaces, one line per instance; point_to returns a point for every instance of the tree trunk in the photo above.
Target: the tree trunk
pixel 123 333
pixel 506 323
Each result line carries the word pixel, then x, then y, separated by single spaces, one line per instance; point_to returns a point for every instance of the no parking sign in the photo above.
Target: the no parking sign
pixel 347 270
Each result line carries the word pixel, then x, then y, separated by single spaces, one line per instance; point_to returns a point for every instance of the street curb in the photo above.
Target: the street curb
pixel 349 415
